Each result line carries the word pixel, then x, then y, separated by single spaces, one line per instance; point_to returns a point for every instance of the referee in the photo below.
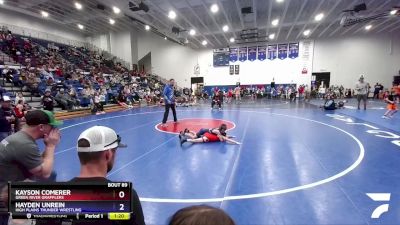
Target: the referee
pixel 169 100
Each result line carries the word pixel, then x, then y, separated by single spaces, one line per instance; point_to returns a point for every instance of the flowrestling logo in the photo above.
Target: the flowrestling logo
pixel 381 209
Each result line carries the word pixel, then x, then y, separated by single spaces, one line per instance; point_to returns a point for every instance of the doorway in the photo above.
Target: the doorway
pixel 197 85
pixel 322 78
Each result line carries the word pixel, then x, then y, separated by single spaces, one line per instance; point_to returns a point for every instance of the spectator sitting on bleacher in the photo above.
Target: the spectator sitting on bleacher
pixel 86 95
pixel 19 97
pixel 127 92
pixel 60 85
pixel 19 109
pixel 5 71
pixel 23 76
pixel 110 95
pixel 73 97
pixel 45 73
pixel 64 100
pixel 122 101
pixel 9 75
pixel 32 84
pixel 97 106
pixel 103 96
pixel 50 81
pixel 47 101
pixel 27 46
pixel 135 97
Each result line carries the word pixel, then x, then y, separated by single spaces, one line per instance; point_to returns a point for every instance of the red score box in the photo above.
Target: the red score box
pixel 106 195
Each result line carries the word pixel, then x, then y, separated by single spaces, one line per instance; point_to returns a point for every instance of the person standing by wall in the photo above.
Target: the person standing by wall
pixel 377 89
pixel 362 92
pixel 169 101
pixel 237 94
pixel 307 93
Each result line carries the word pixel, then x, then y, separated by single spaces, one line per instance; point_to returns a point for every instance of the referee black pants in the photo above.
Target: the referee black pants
pixel 167 106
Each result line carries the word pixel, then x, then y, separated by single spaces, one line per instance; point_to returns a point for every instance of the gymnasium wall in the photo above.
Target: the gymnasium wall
pixel 375 56
pixel 168 59
pixel 256 72
pixel 37 27
pixel 101 41
pixel 120 45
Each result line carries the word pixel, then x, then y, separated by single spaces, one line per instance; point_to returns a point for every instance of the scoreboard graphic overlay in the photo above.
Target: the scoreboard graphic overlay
pixel 70 200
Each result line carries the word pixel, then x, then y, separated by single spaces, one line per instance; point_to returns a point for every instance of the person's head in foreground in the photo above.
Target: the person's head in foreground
pixel 96 150
pixel 39 123
pixel 201 215
pixel 5 102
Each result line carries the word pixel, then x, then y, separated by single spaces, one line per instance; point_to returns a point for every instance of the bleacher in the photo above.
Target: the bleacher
pixel 78 58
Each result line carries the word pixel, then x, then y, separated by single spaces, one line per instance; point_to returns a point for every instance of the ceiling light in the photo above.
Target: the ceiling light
pixel 394 11
pixel 80 26
pixel 368 27
pixel 232 40
pixel 116 10
pixel 44 14
pixel 279 1
pixel 172 14
pixel 112 21
pixel 192 32
pixel 225 28
pixel 165 38
pixel 214 8
pixel 271 36
pixel 319 17
pixel 147 27
pixel 306 32
pixel 204 43
pixel 275 22
pixel 1 2
pixel 78 5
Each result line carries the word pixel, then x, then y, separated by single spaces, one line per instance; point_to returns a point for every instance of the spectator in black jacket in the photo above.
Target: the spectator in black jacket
pixel 48 101
pixel 64 100
pixel 6 117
